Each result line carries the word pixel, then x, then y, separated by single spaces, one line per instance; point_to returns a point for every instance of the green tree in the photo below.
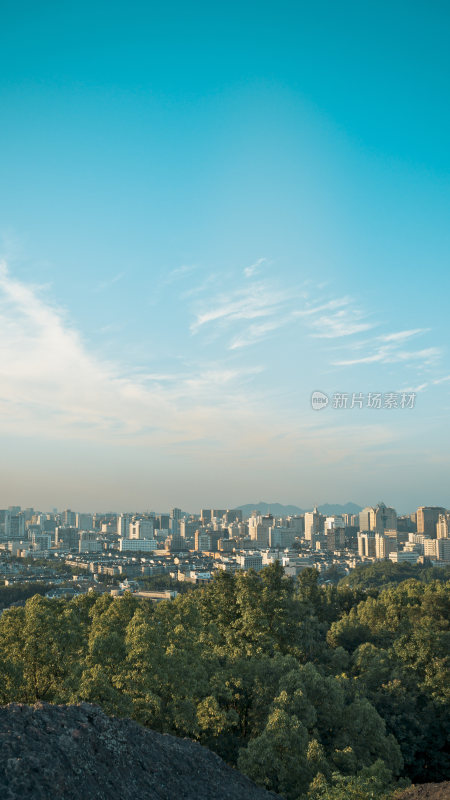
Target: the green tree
pixel 277 759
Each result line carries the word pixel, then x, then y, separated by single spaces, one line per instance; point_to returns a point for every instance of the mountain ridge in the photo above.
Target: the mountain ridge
pixel 281 510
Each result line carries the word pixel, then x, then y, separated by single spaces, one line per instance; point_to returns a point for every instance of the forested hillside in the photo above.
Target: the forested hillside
pixel 312 692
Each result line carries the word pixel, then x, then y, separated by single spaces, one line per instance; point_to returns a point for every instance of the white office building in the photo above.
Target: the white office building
pixel 136 545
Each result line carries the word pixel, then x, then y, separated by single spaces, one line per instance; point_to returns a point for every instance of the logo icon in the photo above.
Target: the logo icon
pixel 319 400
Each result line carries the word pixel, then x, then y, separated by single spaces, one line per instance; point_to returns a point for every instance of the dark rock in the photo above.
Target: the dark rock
pixel 75 752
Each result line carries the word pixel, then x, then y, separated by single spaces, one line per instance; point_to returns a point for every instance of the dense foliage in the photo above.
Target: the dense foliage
pixel 313 692
pixel 19 592
pixel 382 574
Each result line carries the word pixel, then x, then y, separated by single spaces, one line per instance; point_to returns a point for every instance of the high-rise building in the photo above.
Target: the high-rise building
pixel 430 549
pixel 281 537
pixel 314 524
pixel 336 521
pixel 297 522
pixel 443 549
pixel 259 527
pixel 250 561
pixel 41 541
pixel 141 529
pixel 427 519
pixel 384 518
pixel 233 515
pixel 16 527
pixel 365 521
pixel 5 524
pixel 202 540
pixel 162 522
pixel 67 537
pixel 88 542
pixel 70 518
pixel 366 544
pixel 174 543
pixel 147 545
pixel 380 519
pixel 188 528
pixel 84 522
pixel 207 540
pixel 123 526
pixel 174 521
pixel 335 539
pixel 385 545
pixel 443 525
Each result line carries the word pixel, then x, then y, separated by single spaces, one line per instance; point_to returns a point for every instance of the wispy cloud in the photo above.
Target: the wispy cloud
pixel 401 336
pixel 247 303
pixel 389 355
pixel 337 325
pixel 178 273
pixel 256 309
pixel 254 268
pixel 442 380
pixel 390 348
pixel 334 318
pixel 103 285
pixel 330 305
pixel 413 389
pixel 254 333
pixel 52 384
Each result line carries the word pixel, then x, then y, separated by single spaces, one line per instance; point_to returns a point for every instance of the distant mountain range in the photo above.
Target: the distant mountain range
pixel 279 510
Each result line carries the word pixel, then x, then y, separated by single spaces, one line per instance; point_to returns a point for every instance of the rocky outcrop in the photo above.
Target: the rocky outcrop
pixel 74 752
pixel 427 791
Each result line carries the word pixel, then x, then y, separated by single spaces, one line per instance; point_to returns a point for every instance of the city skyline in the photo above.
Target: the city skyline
pixel 206 218
pixel 275 509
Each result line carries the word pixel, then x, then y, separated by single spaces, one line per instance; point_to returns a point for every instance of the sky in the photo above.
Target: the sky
pixel 207 213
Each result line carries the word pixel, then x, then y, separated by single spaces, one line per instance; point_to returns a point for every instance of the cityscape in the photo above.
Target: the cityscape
pixel 224 278
pixel 93 550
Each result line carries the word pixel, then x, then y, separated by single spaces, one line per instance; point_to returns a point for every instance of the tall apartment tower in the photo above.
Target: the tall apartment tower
pixel 123 525
pixel 141 529
pixel 385 545
pixel 443 526
pixel 427 519
pixel 16 527
pixel 314 522
pixel 366 544
pixel 365 521
pixel 384 518
pixel 70 518
pixel 259 527
pixel 84 522
pixel 380 519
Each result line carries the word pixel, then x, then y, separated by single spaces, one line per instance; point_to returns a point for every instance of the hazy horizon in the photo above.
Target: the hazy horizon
pixel 206 216
pixel 51 508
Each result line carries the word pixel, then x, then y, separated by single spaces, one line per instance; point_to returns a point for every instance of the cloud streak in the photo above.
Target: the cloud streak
pixel 254 268
pixel 104 285
pixel 247 303
pixel 51 384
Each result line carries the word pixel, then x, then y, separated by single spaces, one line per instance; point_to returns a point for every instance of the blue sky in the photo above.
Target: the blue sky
pixel 208 212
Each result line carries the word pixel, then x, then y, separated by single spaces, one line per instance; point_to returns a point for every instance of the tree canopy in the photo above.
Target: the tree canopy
pixel 314 692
